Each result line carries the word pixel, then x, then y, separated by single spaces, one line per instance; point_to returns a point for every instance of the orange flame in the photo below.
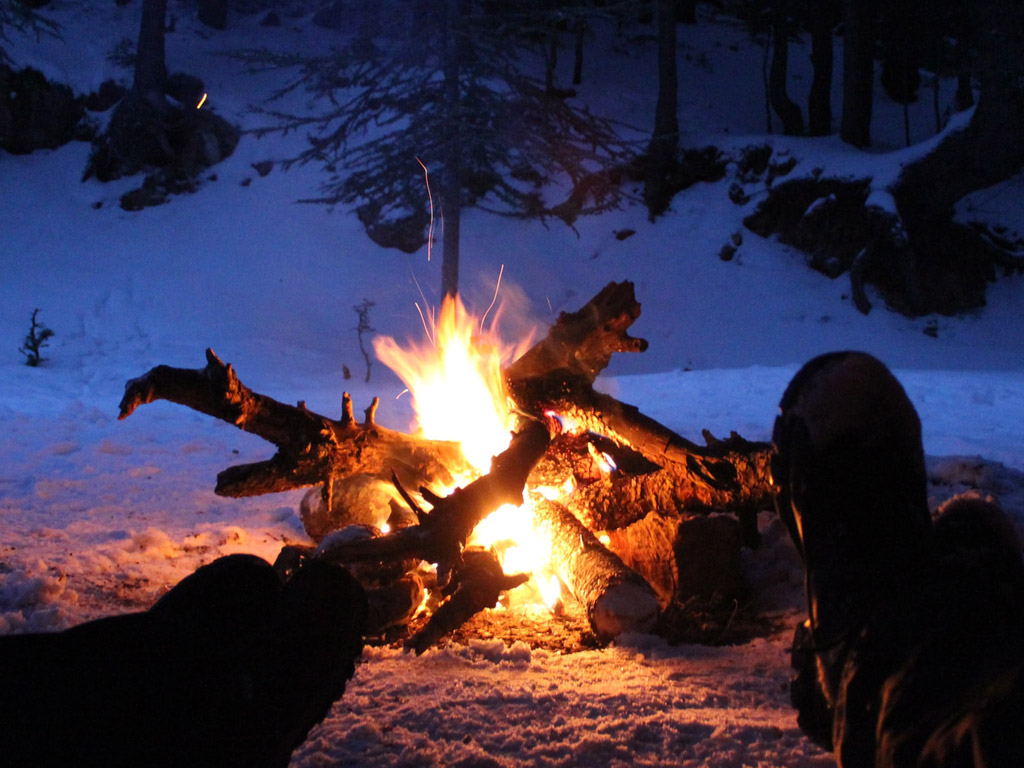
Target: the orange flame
pixel 456 383
pixel 459 394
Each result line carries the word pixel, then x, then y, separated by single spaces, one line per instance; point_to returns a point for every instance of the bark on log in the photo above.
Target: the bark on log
pixel 683 557
pixel 616 598
pixel 727 476
pixel 582 343
pixel 312 449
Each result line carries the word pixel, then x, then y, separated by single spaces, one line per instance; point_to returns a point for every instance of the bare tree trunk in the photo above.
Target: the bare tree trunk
pixel 551 63
pixel 823 17
pixel 577 64
pixel 858 72
pixel 150 62
pixel 661 150
pixel 686 11
pixel 451 185
pixel 787 110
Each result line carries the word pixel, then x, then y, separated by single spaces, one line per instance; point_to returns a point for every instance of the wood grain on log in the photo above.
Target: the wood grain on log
pixel 616 598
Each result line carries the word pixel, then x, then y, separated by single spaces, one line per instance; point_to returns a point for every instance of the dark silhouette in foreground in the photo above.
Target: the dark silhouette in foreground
pixel 229 668
pixel 913 654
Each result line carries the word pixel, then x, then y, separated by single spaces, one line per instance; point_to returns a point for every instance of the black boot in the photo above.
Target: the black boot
pixel 229 668
pixel 850 485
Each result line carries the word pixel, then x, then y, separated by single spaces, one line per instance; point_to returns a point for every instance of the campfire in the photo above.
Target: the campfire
pixel 522 482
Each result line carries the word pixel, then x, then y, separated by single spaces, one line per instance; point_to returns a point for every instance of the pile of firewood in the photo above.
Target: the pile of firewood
pixel 653 508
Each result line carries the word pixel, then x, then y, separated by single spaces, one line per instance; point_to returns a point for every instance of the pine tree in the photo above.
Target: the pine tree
pixel 451 88
pixel 18 16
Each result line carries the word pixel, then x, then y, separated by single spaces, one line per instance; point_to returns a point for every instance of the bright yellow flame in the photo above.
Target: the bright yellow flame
pixel 201 102
pixel 456 383
pixel 603 461
pixel 555 492
pixel 459 395
pixel 510 531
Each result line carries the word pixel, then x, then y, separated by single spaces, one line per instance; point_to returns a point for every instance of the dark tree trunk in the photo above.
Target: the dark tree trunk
pixel 150 61
pixel 918 256
pixel 551 63
pixel 858 72
pixel 451 185
pixel 661 151
pixel 901 36
pixel 822 20
pixel 787 110
pixel 686 11
pixel 214 13
pixel 577 64
pixel 991 147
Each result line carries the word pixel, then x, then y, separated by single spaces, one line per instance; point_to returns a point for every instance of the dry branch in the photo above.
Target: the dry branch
pixel 581 343
pixel 312 449
pixel 616 598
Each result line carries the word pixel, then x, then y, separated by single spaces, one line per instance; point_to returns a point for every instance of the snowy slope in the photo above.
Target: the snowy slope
pixel 99 516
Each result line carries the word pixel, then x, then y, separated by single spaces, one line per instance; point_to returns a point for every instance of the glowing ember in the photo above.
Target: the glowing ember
pixel 459 395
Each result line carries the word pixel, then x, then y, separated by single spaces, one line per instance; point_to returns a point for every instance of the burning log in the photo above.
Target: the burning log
pixel 616 598
pixel 656 472
pixel 442 533
pixel 312 449
pixel 480 583
pixel 440 537
pixel 557 375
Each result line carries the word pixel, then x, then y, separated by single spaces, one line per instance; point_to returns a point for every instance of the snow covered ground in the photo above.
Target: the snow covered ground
pixel 99 516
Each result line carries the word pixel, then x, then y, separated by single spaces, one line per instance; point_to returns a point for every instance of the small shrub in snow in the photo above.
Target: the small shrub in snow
pixel 37 337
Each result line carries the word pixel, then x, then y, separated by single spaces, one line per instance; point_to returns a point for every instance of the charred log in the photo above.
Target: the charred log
pixel 479 585
pixel 683 557
pixel 312 449
pixel 442 533
pixel 394 589
pixel 581 343
pixel 557 375
pixel 723 475
pixel 616 598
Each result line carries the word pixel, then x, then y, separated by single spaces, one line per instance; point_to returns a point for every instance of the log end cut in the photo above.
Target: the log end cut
pixel 624 607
